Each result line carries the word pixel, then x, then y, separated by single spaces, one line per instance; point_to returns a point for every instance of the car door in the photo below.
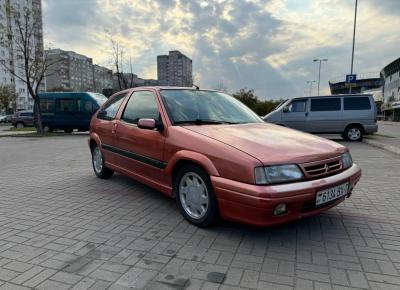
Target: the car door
pixel 325 115
pixel 106 124
pixel 27 118
pixel 141 150
pixel 294 114
pixel 65 111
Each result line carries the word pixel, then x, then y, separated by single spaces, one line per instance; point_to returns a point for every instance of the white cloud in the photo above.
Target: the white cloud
pixel 266 45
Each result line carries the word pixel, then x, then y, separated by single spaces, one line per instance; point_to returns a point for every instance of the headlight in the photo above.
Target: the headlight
pixel 276 174
pixel 347 161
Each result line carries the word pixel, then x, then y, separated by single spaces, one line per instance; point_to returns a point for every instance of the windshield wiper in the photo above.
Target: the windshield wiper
pixel 203 122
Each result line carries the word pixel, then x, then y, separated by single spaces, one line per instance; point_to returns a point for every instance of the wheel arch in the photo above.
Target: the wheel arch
pixel 94 140
pixel 185 157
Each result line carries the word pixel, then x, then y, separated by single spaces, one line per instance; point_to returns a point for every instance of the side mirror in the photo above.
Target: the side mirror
pixel 285 109
pixel 149 124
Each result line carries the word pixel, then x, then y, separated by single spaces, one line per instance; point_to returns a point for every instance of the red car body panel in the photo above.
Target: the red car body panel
pixel 229 154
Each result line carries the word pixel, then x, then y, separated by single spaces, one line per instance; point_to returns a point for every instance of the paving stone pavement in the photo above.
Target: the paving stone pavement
pixel 63 228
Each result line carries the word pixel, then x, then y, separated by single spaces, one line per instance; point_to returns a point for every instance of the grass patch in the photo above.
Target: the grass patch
pixel 25 129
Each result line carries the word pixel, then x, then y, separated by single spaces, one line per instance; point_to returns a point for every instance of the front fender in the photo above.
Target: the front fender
pixel 192 156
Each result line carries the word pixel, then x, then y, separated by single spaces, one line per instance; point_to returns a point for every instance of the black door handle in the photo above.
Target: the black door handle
pixel 306 114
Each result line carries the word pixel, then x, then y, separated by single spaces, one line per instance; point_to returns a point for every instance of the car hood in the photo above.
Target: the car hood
pixel 272 144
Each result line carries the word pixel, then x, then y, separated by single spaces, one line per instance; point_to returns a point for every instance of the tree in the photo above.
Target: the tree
pixel 60 89
pixel 26 45
pixel 8 96
pixel 125 80
pixel 248 98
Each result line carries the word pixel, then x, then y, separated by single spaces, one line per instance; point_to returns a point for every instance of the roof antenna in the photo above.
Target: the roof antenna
pixel 197 87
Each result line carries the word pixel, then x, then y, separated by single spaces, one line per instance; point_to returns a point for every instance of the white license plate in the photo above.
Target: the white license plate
pixel 330 194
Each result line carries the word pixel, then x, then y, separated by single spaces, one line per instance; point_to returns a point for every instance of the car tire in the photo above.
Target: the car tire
pixel 195 196
pixel 353 133
pixel 20 125
pixel 68 130
pixel 99 168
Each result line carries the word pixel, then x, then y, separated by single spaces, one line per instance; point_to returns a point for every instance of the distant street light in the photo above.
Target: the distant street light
pixel 311 84
pixel 354 40
pixel 319 70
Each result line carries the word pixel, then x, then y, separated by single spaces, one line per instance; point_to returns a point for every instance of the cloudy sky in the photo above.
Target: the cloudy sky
pixel 267 45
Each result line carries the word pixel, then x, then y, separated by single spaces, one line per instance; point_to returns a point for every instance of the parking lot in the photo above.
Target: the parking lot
pixel 61 227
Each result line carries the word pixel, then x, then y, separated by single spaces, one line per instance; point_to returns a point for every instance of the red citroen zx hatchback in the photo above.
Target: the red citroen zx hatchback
pixel 217 157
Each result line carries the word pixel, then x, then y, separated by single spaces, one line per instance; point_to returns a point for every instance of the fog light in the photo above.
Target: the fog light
pixel 280 209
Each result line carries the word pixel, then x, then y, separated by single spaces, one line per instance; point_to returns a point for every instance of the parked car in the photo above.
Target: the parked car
pixel 23 119
pixel 217 157
pixel 349 115
pixel 69 111
pixel 5 119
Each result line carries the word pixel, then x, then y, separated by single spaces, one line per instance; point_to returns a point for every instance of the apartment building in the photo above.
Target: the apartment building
pixel 74 71
pixel 174 69
pixel 10 53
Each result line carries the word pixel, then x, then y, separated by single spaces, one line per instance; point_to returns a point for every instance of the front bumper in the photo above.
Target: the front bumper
pixel 254 204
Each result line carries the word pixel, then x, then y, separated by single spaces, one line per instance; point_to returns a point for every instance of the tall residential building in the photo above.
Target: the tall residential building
pixel 71 70
pixel 10 53
pixel 174 69
pixel 102 78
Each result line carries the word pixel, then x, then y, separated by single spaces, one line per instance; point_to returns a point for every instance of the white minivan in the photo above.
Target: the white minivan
pixel 349 115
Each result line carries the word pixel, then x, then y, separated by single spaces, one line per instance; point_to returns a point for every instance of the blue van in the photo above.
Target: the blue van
pixel 70 110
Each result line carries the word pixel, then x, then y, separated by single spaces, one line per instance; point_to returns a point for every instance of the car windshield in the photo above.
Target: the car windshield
pixel 281 104
pixel 206 107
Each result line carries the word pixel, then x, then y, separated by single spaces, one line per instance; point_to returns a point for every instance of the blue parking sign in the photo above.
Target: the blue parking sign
pixel 351 79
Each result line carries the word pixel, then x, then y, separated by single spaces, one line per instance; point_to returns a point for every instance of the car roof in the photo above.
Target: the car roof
pixel 159 88
pixel 64 93
pixel 333 96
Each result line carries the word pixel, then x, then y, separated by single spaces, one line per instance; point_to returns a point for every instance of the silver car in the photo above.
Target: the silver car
pixel 350 115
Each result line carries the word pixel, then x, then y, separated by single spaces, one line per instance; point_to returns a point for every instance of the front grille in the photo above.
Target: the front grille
pixel 322 168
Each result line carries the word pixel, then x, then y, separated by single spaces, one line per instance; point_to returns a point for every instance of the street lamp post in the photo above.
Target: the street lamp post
pixel 311 84
pixel 354 40
pixel 319 70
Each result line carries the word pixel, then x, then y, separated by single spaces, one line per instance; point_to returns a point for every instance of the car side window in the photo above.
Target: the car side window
pixel 141 105
pixel 46 105
pixel 356 103
pixel 325 104
pixel 65 105
pixel 298 106
pixel 109 111
pixel 88 107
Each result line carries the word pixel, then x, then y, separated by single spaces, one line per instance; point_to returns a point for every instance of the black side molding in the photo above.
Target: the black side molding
pixel 138 157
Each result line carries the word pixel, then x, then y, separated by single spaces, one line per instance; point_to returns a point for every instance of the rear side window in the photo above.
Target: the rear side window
pixel 110 110
pixel 356 103
pixel 141 105
pixel 26 114
pixel 326 104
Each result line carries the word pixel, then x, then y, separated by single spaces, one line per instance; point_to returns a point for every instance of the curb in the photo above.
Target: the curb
pixel 386 147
